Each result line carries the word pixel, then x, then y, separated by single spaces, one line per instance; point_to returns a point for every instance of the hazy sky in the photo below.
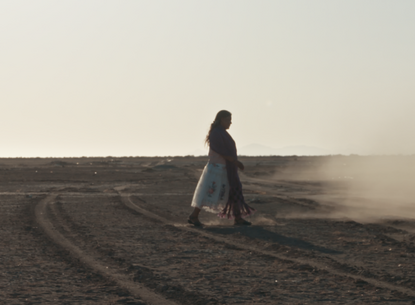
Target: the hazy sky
pixel 129 78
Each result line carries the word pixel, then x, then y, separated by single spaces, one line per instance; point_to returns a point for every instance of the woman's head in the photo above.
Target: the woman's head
pixel 223 118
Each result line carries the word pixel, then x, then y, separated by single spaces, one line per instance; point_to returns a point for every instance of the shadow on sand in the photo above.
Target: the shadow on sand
pixel 258 232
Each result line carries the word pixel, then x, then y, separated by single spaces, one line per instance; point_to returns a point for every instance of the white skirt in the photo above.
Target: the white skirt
pixel 212 190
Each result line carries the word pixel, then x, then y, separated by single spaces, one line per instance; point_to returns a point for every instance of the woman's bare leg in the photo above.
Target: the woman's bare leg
pixel 193 218
pixel 239 220
pixel 237 213
pixel 195 214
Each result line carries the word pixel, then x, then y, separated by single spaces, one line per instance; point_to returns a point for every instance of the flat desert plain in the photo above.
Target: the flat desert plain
pixel 328 230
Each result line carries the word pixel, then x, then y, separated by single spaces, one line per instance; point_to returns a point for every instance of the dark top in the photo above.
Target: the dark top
pixel 222 143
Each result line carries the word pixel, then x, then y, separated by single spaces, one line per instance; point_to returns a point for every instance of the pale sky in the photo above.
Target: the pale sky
pixel 135 78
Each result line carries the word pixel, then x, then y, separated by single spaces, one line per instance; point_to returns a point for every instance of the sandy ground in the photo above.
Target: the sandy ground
pixel 113 231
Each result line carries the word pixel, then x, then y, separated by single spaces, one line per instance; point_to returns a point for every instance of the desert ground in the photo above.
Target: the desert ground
pixel 328 230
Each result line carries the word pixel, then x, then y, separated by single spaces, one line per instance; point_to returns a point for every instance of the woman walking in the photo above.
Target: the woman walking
pixel 219 189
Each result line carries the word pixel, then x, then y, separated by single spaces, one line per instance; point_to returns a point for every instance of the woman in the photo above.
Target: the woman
pixel 219 189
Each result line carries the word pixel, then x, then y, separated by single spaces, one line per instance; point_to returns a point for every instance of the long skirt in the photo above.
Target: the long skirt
pixel 212 190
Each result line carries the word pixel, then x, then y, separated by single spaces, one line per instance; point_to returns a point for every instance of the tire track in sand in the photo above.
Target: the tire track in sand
pixel 137 290
pixel 313 264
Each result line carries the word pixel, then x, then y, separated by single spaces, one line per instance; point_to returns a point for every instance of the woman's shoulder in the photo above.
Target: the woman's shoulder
pixel 218 134
pixel 215 131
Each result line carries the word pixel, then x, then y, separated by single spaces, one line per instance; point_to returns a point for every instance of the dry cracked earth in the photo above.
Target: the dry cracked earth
pixel 113 231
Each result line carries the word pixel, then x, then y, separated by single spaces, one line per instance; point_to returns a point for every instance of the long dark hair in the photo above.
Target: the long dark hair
pixel 219 116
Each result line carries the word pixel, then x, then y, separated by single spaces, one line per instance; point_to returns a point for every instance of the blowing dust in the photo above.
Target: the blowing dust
pixel 358 187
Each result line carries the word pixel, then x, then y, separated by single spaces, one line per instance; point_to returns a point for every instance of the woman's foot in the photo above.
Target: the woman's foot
pixel 241 222
pixel 194 221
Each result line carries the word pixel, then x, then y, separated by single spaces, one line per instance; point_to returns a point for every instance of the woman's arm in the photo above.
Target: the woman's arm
pixel 217 144
pixel 235 161
pixel 228 158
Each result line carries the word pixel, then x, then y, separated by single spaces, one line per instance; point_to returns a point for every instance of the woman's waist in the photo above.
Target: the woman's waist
pixel 216 158
pixel 216 165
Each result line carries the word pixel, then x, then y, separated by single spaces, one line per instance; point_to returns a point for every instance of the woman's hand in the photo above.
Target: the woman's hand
pixel 239 165
pixel 236 162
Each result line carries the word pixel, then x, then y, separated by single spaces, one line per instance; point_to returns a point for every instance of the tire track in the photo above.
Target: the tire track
pixel 121 280
pixel 191 269
pixel 115 246
pixel 312 264
pixel 35 270
pixel 92 194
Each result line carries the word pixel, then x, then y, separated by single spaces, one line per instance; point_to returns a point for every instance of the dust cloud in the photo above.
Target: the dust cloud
pixel 358 187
